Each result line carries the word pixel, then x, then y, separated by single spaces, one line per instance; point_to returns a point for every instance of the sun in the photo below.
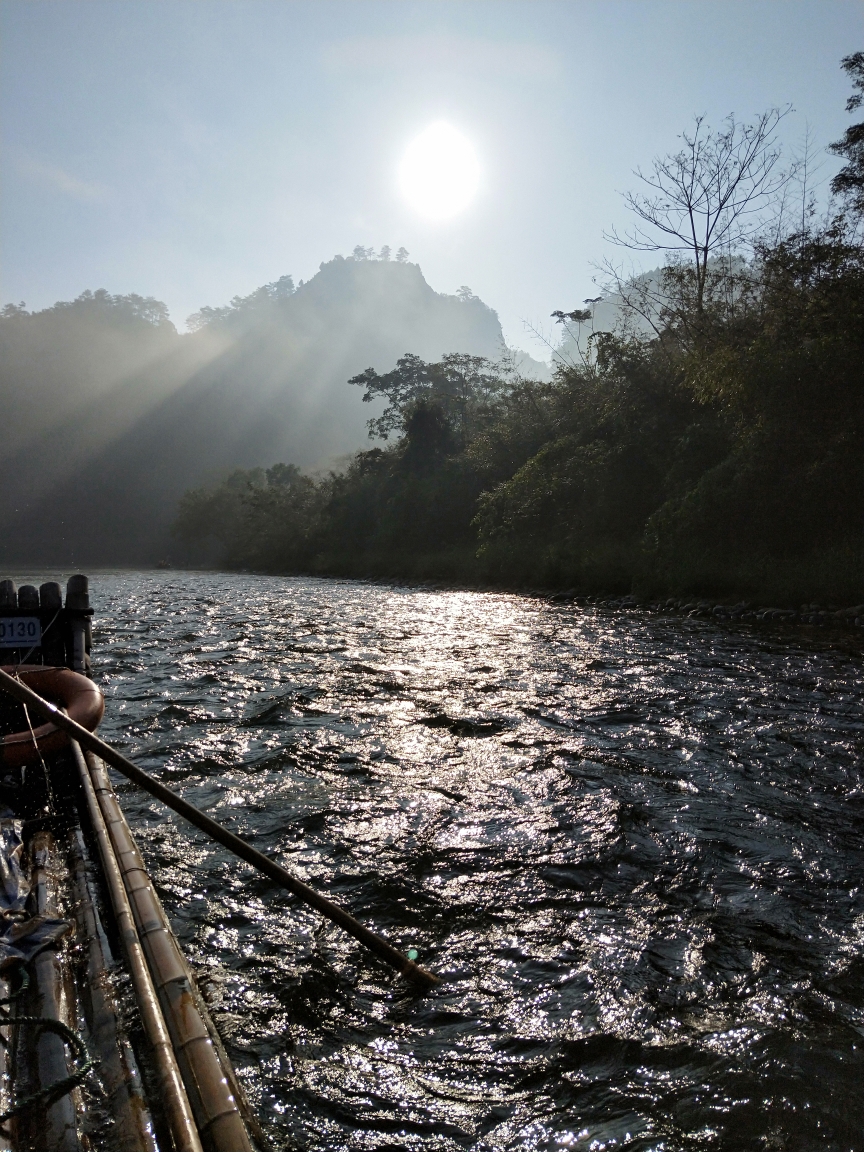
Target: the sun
pixel 439 173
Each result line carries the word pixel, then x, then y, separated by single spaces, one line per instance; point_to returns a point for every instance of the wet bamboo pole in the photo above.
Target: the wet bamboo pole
pixel 55 1127
pixel 8 1038
pixel 229 840
pixel 6 1046
pixel 173 1098
pixel 108 1042
pixel 214 1104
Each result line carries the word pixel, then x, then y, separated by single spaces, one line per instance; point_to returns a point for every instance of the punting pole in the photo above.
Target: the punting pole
pixel 229 840
pixel 108 1043
pixel 173 1098
pixel 214 1105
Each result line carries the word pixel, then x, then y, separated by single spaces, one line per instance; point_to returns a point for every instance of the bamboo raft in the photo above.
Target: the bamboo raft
pixel 105 1039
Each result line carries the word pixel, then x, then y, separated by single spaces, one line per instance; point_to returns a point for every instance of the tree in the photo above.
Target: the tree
pixel 133 308
pixel 262 299
pixel 460 386
pixel 401 255
pixel 403 386
pixel 577 316
pixel 849 181
pixel 710 198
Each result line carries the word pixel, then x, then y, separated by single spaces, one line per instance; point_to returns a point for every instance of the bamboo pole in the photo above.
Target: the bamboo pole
pixel 229 840
pixel 214 1104
pixel 152 922
pixel 6 1065
pixel 173 1098
pixel 56 1124
pixel 108 1042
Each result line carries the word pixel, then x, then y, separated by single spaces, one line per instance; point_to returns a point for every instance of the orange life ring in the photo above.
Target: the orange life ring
pixel 79 696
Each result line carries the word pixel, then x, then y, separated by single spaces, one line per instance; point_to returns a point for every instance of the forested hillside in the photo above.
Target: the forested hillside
pixel 712 443
pixel 111 414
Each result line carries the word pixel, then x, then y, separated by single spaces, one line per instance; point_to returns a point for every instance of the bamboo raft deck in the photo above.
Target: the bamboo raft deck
pixel 105 1039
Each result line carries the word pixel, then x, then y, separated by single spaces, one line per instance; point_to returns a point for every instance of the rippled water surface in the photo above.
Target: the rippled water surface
pixel 631 846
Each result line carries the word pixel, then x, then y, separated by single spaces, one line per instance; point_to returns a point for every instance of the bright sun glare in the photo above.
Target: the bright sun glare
pixel 439 173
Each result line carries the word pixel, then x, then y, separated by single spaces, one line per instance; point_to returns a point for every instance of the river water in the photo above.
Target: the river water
pixel 632 847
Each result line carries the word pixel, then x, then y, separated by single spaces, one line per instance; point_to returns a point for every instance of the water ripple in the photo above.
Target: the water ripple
pixel 631 846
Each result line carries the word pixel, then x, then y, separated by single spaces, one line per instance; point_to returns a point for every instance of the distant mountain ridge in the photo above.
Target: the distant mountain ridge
pixel 115 414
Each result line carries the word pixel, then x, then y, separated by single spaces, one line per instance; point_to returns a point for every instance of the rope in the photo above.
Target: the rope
pixel 48 784
pixel 60 1088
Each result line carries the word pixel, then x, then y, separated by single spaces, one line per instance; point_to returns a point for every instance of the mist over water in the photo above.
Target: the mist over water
pixel 631 846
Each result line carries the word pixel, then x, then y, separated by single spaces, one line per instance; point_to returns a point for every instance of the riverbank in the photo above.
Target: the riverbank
pixel 827 614
pixel 743 611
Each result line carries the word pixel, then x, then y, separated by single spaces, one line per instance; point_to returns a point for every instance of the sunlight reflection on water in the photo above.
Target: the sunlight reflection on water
pixel 631 845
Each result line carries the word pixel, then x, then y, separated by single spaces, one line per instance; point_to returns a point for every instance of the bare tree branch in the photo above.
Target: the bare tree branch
pixel 712 196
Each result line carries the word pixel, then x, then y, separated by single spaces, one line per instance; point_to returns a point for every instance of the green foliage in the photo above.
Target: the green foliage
pixel 262 519
pixel 462 388
pixel 792 390
pixel 849 181
pixel 718 449
pixel 722 455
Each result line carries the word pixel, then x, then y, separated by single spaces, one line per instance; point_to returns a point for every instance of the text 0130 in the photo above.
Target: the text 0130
pixel 20 631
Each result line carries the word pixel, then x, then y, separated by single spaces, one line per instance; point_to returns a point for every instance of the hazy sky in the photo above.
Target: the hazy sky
pixel 194 150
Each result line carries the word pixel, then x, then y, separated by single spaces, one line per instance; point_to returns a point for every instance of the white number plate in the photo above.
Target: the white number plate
pixel 20 631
